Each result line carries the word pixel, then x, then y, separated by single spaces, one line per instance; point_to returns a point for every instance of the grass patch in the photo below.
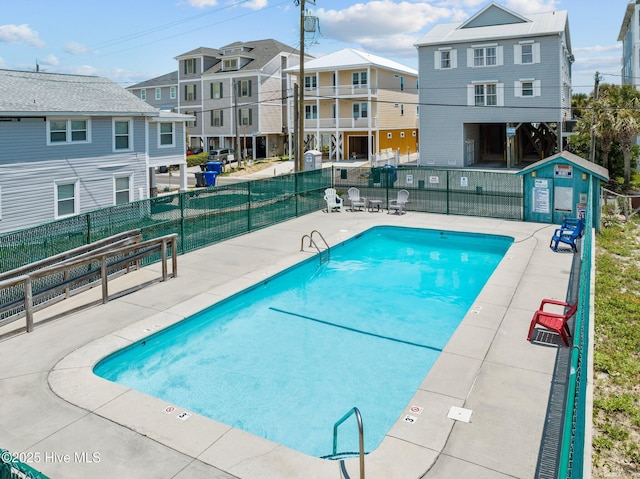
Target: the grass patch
pixel 616 411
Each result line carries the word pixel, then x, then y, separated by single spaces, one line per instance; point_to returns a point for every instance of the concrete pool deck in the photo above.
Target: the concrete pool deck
pixel 68 423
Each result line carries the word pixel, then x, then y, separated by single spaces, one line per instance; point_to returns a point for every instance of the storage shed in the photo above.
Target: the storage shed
pixel 557 187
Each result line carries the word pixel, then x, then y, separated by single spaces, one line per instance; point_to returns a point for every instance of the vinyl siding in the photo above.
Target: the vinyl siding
pixel 444 94
pixel 28 192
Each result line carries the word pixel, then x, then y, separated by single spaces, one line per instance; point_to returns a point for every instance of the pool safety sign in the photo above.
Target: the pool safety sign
pixel 563 171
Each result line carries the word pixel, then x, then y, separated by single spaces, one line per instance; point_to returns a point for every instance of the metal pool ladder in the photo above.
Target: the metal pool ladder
pixel 360 436
pixel 315 245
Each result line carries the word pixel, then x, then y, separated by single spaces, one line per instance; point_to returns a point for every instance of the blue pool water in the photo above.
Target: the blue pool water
pixel 290 356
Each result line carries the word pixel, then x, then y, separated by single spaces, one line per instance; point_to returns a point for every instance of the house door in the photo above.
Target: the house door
pixel 358 146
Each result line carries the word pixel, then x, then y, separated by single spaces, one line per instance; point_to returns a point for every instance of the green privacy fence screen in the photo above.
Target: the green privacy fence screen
pixel 493 194
pixel 572 453
pixel 12 468
pixel 205 216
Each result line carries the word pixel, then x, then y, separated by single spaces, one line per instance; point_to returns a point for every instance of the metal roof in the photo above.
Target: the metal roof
pixel 538 24
pixel 351 58
pixel 38 93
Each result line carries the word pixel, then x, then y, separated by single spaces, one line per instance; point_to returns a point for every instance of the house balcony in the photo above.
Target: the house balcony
pixel 340 123
pixel 341 91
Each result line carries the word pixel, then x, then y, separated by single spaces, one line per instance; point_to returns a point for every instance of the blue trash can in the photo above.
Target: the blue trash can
pixel 214 166
pixel 210 178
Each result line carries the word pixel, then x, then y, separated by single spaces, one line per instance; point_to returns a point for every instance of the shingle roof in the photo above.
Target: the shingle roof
pixel 539 24
pixel 163 80
pixel 350 58
pixel 41 93
pixel 261 52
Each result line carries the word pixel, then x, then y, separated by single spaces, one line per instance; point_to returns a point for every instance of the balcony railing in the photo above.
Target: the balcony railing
pixel 341 91
pixel 340 123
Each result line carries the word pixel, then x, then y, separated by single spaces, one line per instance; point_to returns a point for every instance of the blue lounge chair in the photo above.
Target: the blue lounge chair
pixel 567 235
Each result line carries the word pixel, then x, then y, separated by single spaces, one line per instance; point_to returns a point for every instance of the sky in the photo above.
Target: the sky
pixel 136 40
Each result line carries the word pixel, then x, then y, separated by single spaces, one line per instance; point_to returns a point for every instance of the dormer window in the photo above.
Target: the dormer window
pixel 231 64
pixel 190 66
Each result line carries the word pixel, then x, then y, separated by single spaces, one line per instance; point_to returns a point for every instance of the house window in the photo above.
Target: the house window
pixel 190 92
pixel 360 110
pixel 192 123
pixel 359 78
pixel 311 112
pixel 143 94
pixel 122 189
pixel 484 57
pixel 230 64
pixel 445 59
pixel 66 198
pixel 486 94
pixel 527 53
pixel 402 134
pixel 68 131
pixel 216 90
pixel 122 135
pixel 190 66
pixel 401 83
pixel 527 88
pixel 158 94
pixel 244 88
pixel 401 109
pixel 172 93
pixel 389 135
pixel 166 134
pixel 244 116
pixel 216 118
pixel 310 82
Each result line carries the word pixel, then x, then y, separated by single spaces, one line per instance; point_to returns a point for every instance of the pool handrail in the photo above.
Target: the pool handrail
pixel 315 245
pixel 351 412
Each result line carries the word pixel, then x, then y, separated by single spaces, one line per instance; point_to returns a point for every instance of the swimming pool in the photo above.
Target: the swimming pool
pixel 288 357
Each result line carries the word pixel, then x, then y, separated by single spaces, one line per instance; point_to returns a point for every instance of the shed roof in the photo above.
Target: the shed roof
pixel 596 170
pixel 39 93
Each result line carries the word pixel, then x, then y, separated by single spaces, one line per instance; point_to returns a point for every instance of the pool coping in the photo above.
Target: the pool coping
pixel 413 445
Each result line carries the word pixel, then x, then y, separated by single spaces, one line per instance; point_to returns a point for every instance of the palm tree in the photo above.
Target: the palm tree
pixel 624 106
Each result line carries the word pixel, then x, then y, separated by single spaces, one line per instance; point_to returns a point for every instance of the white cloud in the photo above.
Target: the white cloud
pixel 202 3
pixel 532 6
pixel 50 60
pixel 75 48
pixel 598 49
pixel 20 34
pixel 255 4
pixel 379 20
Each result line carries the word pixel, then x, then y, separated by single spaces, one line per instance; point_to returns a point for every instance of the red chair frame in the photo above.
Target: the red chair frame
pixel 553 321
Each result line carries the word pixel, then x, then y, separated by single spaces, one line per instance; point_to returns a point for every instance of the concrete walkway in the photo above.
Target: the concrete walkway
pixel 68 423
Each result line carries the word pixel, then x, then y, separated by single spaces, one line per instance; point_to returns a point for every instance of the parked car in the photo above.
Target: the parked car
pixel 223 155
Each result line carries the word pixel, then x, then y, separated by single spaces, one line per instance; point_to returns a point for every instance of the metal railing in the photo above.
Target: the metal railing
pixel 92 267
pixel 356 412
pixel 315 244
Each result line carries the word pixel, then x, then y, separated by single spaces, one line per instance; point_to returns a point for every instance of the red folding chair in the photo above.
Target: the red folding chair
pixel 553 321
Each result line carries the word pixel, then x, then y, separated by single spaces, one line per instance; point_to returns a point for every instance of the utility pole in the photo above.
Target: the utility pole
pixel 236 121
pixel 592 150
pixel 300 141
